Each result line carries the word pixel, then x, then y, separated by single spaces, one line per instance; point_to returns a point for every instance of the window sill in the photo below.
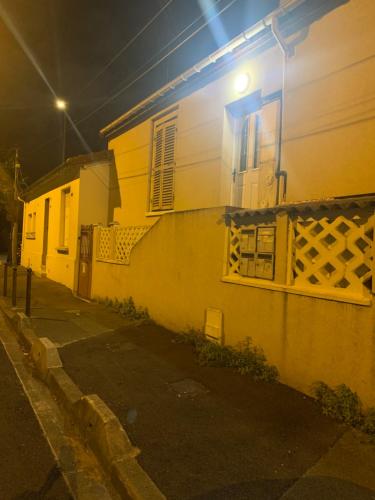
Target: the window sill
pixel 30 236
pixel 158 213
pixel 63 250
pixel 308 292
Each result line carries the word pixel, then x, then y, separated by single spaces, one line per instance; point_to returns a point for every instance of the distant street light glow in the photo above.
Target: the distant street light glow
pixel 60 104
pixel 241 82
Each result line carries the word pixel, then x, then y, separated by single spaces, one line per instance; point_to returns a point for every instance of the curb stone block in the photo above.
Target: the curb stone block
pixel 45 356
pixel 66 391
pixel 130 479
pixel 23 321
pixel 102 430
pixel 96 423
pixel 28 337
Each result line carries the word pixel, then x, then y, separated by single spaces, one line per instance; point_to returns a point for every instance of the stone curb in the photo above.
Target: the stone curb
pixel 97 425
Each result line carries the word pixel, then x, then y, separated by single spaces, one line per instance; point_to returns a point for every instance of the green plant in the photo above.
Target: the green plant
pixel 247 359
pixel 341 403
pixel 131 311
pixel 368 423
pixel 127 308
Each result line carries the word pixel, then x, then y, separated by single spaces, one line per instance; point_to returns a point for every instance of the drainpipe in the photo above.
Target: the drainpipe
pixel 286 52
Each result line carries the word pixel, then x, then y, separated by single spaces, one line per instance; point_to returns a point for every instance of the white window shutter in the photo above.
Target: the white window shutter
pixel 163 164
pixel 157 169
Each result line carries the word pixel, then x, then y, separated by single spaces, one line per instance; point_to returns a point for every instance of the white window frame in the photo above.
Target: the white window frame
pixel 163 162
pixel 65 218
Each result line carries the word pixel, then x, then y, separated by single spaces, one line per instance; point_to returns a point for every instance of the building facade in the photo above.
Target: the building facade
pixel 243 197
pixel 56 206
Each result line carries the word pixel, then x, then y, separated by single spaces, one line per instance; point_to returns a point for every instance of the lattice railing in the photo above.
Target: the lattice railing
pixel 330 250
pixel 105 243
pixel 234 248
pixel 334 251
pixel 116 243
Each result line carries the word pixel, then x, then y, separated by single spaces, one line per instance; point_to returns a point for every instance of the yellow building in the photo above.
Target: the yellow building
pixel 244 196
pixel 56 207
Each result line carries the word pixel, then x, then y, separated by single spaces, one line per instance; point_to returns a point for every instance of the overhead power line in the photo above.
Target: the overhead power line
pixel 161 50
pixel 169 43
pixel 159 61
pixel 126 46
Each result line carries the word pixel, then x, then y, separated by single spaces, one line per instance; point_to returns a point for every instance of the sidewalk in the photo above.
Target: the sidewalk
pixel 27 467
pixel 204 433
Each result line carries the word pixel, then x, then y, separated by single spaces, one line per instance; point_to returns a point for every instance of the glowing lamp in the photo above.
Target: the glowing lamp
pixel 60 104
pixel 241 82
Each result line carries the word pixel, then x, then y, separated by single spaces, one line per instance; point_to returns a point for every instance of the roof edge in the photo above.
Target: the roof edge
pixel 235 43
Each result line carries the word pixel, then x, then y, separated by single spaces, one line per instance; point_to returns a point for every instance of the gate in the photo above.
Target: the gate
pixel 85 262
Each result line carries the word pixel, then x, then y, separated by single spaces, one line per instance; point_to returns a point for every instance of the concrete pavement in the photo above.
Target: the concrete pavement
pixel 204 433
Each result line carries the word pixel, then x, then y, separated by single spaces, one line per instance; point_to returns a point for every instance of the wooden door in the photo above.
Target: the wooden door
pixel 85 262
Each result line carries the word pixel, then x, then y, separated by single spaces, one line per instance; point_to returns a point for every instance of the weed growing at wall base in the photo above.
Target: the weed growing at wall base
pixel 344 404
pixel 246 358
pixel 127 308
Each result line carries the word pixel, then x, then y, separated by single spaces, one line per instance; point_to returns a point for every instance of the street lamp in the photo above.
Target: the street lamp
pixel 62 105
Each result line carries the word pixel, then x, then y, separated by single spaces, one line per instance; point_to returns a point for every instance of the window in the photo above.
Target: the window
pixel 163 164
pixel 244 145
pixel 65 218
pixel 257 138
pixel 257 252
pixel 250 142
pixel 31 226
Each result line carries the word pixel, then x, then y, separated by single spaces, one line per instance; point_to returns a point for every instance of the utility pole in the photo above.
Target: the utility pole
pixel 15 219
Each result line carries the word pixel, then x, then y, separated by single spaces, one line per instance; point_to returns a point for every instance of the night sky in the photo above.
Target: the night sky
pixel 72 41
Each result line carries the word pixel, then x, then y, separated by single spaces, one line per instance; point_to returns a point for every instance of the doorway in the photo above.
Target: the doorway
pixel 85 262
pixel 258 156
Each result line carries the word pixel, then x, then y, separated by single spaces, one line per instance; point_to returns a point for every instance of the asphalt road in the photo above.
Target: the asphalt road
pixel 28 470
pixel 204 433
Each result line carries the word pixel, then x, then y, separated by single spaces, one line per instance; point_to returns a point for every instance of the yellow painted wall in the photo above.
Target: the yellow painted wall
pixel 330 113
pixel 94 194
pixel 59 267
pixel 202 178
pixel 176 271
pixel 329 128
pixel 89 204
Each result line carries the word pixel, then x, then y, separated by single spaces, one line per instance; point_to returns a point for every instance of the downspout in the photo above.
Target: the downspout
pixel 286 52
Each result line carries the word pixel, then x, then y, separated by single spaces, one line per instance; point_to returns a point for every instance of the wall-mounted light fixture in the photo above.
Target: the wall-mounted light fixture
pixel 241 82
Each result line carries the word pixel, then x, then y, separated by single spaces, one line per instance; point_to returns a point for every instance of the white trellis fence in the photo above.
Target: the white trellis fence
pixel 115 243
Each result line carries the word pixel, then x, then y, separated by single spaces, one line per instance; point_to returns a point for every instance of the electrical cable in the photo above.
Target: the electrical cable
pixel 49 141
pixel 153 66
pixel 126 46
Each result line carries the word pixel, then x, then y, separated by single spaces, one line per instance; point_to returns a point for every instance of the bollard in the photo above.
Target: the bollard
pixel 29 273
pixel 5 284
pixel 14 286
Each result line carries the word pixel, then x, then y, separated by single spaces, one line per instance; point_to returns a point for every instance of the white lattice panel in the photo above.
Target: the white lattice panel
pixel 234 248
pixel 105 243
pixel 334 251
pixel 116 243
pixel 125 239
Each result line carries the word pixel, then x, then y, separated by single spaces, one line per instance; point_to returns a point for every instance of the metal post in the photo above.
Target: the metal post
pixel 14 286
pixel 29 273
pixel 5 284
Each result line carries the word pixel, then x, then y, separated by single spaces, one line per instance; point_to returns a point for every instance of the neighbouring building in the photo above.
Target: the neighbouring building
pixel 243 197
pixel 56 208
